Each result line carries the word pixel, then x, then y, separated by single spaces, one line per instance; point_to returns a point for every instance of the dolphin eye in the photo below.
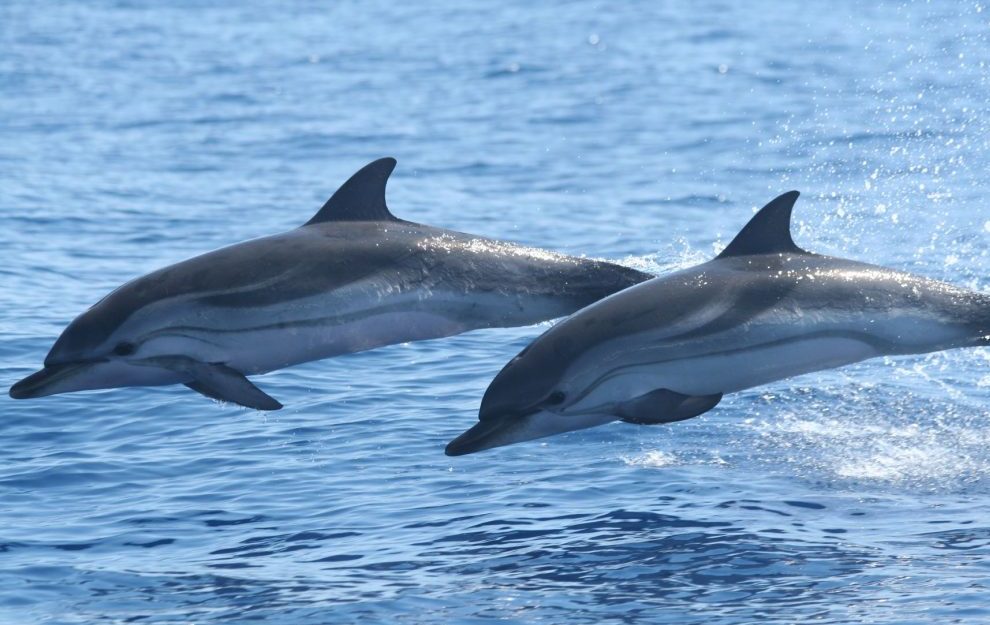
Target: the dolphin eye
pixel 124 349
pixel 556 397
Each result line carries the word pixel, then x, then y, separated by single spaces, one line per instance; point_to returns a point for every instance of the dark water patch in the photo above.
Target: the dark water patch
pixel 810 505
pixel 967 539
pixel 152 543
pixel 73 547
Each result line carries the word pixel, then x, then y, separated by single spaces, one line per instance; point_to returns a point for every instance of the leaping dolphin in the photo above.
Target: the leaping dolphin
pixel 352 278
pixel 670 348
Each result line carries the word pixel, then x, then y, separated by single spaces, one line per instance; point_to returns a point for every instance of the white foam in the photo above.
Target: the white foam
pixel 651 459
pixel 935 452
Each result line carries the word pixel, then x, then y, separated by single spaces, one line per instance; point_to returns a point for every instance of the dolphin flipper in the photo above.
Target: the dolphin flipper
pixel 217 381
pixel 225 384
pixel 665 406
pixel 236 390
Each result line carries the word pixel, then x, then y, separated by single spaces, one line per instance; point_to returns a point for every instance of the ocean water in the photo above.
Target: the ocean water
pixel 133 135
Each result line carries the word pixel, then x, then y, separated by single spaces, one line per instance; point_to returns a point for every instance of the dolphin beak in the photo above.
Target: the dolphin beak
pixel 46 381
pixel 497 425
pixel 496 431
pixel 482 435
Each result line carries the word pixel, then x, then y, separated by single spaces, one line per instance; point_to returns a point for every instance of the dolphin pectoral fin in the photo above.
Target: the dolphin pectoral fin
pixel 665 406
pixel 217 381
pixel 225 384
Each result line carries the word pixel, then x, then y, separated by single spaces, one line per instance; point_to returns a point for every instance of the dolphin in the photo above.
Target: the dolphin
pixel 352 278
pixel 762 310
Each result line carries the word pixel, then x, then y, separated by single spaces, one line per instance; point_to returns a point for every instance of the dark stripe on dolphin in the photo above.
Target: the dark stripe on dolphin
pixel 862 337
pixel 337 319
pixel 745 308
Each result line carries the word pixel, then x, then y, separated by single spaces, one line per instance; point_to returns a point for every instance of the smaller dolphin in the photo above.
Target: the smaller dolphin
pixel 352 278
pixel 670 348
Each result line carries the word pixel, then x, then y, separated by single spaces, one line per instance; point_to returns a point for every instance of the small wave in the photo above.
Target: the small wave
pixel 875 437
pixel 652 459
pixel 893 463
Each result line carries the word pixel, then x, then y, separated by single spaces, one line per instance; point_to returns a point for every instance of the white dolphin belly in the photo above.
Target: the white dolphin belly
pixel 738 370
pixel 261 351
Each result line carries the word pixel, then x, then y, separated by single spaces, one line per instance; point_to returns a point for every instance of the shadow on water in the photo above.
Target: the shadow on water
pixel 627 558
pixel 623 564
pixel 974 540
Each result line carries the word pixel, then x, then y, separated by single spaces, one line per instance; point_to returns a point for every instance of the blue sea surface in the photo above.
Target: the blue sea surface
pixel 133 135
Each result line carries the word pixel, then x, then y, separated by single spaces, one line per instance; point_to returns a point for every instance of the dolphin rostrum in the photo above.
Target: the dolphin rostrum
pixel 670 348
pixel 352 278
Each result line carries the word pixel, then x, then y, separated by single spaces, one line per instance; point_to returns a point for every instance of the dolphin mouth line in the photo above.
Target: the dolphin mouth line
pixel 522 413
pixel 35 384
pixel 477 438
pixel 490 432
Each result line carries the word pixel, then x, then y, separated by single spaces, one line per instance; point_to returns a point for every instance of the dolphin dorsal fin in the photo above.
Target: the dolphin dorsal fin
pixel 361 198
pixel 768 232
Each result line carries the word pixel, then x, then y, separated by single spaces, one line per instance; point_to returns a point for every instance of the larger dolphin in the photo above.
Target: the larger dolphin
pixel 352 278
pixel 763 310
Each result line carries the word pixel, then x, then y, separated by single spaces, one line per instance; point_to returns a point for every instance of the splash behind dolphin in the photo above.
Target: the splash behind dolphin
pixel 670 348
pixel 354 277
